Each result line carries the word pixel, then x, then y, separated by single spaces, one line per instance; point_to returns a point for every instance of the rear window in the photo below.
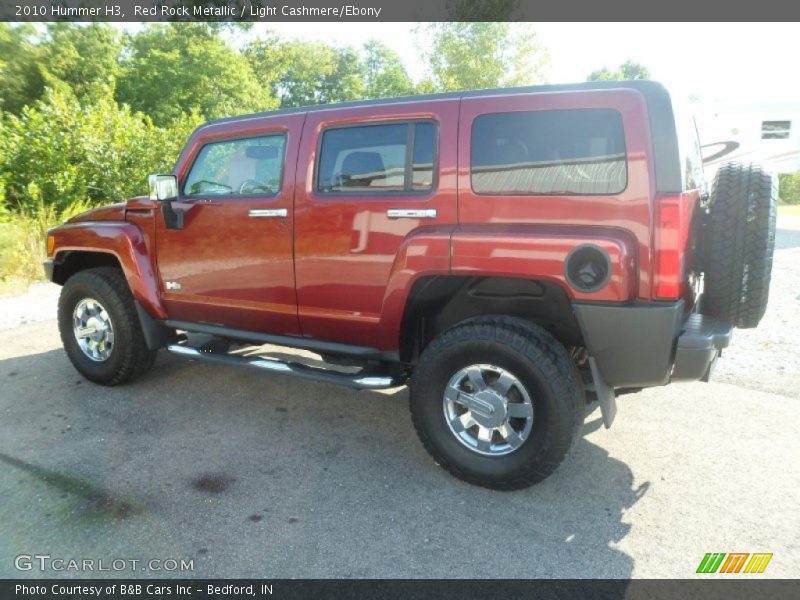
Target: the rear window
pixel 549 152
pixel 392 157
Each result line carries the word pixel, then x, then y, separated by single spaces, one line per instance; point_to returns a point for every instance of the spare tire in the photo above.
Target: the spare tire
pixel 739 243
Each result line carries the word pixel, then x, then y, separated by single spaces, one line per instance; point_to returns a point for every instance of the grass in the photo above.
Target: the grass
pixel 11 241
pixel 22 245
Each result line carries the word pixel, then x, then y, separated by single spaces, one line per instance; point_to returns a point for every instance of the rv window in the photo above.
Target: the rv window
pixel 775 130
pixel 549 152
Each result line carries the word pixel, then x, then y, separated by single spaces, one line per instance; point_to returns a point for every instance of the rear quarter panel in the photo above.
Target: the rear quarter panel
pixel 531 235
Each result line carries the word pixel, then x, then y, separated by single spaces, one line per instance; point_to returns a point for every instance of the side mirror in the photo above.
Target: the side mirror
pixel 164 189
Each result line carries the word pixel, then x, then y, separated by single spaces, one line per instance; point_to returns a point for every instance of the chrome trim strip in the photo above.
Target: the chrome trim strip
pixel 411 213
pixel 280 213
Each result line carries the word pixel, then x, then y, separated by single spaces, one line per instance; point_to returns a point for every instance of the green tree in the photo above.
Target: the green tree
pixel 85 58
pixel 481 55
pixel 173 69
pixel 301 73
pixel 385 75
pixel 626 71
pixel 20 79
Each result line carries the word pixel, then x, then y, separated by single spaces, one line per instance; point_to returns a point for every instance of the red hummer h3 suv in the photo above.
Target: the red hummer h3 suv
pixel 510 255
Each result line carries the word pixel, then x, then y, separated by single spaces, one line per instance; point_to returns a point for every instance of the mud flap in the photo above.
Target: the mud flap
pixel 156 334
pixel 605 394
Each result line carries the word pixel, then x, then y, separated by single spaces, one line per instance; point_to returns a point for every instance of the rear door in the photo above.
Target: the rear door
pixel 372 176
pixel 231 264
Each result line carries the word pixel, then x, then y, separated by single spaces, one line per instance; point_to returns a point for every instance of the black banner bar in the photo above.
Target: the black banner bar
pixel 334 11
pixel 386 589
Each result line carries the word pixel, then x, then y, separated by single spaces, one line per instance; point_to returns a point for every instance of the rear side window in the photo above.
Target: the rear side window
pixel 549 152
pixel 392 157
pixel 252 166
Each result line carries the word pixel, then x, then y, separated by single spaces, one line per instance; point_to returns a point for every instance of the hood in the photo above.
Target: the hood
pixel 112 212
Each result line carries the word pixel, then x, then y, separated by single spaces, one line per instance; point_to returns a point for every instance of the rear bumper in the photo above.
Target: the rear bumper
pixel 650 344
pixel 699 344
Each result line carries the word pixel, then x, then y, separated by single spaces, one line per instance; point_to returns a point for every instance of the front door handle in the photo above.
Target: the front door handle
pixel 411 213
pixel 274 213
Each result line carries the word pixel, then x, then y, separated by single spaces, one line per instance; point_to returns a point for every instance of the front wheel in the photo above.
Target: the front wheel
pixel 497 401
pixel 100 329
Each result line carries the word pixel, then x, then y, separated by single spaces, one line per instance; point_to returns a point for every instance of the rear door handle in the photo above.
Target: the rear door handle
pixel 411 213
pixel 267 213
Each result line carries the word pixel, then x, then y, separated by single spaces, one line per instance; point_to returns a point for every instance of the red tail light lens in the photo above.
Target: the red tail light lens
pixel 669 241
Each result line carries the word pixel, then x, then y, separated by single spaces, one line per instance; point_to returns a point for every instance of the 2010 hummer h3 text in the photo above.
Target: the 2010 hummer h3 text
pixel 509 254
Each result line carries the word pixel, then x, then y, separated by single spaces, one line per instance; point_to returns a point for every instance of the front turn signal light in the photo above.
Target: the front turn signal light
pixel 51 244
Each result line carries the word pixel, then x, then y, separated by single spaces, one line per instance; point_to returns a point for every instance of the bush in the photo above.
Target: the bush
pixel 58 152
pixel 789 188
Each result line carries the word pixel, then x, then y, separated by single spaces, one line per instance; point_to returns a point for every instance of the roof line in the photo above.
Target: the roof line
pixel 642 85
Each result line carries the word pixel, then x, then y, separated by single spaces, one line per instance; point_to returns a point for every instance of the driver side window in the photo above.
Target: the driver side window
pixel 241 167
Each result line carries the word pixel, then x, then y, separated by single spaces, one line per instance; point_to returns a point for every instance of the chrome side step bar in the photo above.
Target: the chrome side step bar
pixel 359 381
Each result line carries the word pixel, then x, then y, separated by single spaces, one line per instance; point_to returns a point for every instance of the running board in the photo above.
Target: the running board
pixel 358 381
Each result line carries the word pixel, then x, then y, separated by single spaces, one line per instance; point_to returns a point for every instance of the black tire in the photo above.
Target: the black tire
pixel 739 244
pixel 129 357
pixel 544 368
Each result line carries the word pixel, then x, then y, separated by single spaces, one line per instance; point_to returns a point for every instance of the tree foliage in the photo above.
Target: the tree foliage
pixel 481 55
pixel 302 73
pixel 59 151
pixel 626 71
pixel 20 80
pixel 172 70
pixel 385 75
pixel 789 188
pixel 83 58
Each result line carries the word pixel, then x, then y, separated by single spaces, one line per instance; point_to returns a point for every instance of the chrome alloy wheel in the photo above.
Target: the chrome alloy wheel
pixel 93 329
pixel 488 409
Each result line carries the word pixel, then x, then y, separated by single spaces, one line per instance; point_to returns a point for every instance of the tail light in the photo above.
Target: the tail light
pixel 670 235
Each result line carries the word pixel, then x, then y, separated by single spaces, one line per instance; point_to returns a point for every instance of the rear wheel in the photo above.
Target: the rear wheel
pixel 497 402
pixel 739 244
pixel 100 329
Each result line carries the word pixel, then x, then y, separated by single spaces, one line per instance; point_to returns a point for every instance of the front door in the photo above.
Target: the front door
pixel 232 263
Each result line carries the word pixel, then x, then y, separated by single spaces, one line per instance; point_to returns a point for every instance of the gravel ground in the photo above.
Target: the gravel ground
pixel 766 358
pixel 251 475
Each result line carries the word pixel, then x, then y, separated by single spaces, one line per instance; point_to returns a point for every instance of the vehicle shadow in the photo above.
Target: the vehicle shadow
pixel 252 475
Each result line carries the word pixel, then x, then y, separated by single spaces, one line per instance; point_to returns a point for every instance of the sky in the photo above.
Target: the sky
pixel 716 62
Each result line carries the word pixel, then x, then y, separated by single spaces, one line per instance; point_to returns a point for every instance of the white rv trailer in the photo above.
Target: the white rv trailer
pixel 767 133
